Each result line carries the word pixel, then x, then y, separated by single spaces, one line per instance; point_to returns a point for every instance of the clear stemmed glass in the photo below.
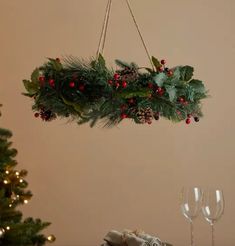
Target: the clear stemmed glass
pixel 213 208
pixel 191 200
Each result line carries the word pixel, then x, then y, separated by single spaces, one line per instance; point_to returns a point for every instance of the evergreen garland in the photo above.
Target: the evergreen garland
pixel 90 92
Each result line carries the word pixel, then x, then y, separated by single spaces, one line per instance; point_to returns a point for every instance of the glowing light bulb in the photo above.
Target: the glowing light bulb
pixel 26 201
pixel 10 205
pixel 7 172
pixel 8 228
pixel 5 181
pixel 21 180
pixel 17 173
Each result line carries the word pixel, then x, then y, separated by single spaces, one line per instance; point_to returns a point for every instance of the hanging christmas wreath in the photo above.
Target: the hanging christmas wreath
pixel 89 91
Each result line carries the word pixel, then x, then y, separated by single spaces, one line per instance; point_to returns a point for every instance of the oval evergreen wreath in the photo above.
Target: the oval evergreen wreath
pixel 89 91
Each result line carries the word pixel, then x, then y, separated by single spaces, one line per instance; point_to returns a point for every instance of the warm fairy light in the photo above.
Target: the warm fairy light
pixel 17 173
pixel 26 201
pixel 18 196
pixel 51 238
pixel 8 228
pixel 7 172
pixel 5 181
pixel 10 205
pixel 21 180
pixel 2 231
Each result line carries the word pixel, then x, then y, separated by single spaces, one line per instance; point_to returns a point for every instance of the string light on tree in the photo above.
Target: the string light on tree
pixel 51 238
pixel 14 229
pixel 2 232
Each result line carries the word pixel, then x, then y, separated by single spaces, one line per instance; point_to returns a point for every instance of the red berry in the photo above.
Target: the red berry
pixel 52 82
pixel 149 122
pixel 117 84
pixel 81 87
pixel 71 84
pixel 123 107
pixel 57 59
pixel 185 103
pixel 41 78
pixel 188 121
pixel 131 101
pixel 116 76
pixel 161 69
pixel 123 116
pixel 160 91
pixel 110 82
pixel 124 84
pixel 163 62
pixel 181 99
pixel 178 112
pixel 36 115
pixel 150 85
pixel 170 73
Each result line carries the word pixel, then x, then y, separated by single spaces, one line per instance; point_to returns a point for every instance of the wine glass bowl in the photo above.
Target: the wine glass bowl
pixel 213 208
pixel 191 199
pixel 213 205
pixel 190 204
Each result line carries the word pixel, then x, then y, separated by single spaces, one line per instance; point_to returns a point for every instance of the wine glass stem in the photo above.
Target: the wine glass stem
pixel 191 233
pixel 212 235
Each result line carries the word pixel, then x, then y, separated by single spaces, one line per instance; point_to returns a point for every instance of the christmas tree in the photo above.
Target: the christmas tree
pixel 14 230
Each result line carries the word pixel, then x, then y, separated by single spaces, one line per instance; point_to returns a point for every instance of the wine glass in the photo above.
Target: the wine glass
pixel 213 208
pixel 191 200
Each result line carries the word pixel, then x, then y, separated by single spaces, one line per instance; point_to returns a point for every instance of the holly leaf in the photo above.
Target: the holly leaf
pixel 197 85
pixel 35 75
pixel 171 91
pixel 149 69
pixel 160 78
pixel 186 73
pixel 31 87
pixel 56 64
pixel 156 62
pixel 101 60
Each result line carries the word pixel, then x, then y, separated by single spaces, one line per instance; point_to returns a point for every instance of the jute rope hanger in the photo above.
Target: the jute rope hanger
pixel 103 34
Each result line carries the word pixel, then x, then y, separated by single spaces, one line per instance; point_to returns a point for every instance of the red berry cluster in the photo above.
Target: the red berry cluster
pixel 183 101
pixel 45 115
pixel 165 69
pixel 188 120
pixel 117 81
pixel 159 91
pixel 80 86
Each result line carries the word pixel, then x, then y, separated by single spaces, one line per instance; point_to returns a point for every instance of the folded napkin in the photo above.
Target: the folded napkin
pixel 131 238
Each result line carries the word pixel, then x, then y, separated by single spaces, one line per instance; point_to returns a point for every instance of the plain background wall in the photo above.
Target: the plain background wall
pixel 88 181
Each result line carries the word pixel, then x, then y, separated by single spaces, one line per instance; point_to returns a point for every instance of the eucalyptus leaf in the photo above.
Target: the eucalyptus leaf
pixel 171 90
pixel 160 78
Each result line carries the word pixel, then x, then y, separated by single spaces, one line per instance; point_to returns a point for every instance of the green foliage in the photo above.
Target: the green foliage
pixel 13 193
pixel 90 92
pixel 186 73
pixel 156 62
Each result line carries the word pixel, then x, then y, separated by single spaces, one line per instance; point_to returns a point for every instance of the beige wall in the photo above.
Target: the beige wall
pixel 87 181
